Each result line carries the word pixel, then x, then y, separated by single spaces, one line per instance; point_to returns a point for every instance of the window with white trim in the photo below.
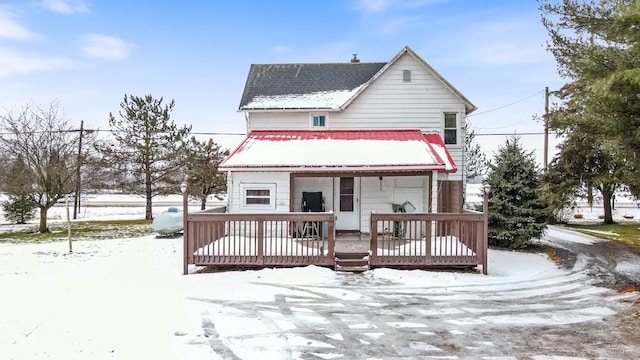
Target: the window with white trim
pixel 451 128
pixel 318 121
pixel 258 196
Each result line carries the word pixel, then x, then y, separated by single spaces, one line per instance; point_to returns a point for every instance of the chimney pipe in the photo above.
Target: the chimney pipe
pixel 355 59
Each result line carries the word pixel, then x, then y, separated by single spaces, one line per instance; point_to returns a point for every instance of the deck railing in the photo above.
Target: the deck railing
pixel 273 239
pixel 427 239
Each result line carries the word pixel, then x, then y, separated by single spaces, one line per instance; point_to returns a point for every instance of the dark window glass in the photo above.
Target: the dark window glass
pixel 346 194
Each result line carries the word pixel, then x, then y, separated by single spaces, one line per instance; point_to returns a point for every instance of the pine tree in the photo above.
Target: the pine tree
pixel 18 208
pixel 147 153
pixel 202 160
pixel 597 47
pixel 517 207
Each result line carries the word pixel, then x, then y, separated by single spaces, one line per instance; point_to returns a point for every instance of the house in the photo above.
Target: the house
pixel 366 135
pixel 374 149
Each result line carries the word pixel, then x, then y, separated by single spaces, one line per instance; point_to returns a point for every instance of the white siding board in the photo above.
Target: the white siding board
pixel 280 179
pixel 378 195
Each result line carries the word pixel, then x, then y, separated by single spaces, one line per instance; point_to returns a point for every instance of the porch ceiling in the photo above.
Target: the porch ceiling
pixel 340 151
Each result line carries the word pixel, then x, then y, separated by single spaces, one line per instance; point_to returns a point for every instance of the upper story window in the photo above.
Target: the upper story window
pixel 318 120
pixel 451 128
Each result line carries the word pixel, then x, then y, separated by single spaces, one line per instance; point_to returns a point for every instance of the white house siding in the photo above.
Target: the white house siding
pixel 280 179
pixel 324 184
pixel 378 195
pixel 388 103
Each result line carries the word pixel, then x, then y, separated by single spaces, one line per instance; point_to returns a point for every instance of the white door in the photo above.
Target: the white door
pixel 347 203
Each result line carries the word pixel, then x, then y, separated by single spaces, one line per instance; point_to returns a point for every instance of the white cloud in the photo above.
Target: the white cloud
pixel 66 6
pixel 106 47
pixel 11 29
pixel 12 63
pixel 376 6
pixel 280 49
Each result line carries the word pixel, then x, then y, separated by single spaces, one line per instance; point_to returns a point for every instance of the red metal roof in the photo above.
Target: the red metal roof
pixel 340 150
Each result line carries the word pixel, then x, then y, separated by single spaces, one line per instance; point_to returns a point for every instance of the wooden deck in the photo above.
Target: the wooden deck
pixel 298 239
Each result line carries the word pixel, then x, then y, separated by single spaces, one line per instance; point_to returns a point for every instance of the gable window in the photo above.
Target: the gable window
pixel 451 128
pixel 406 75
pixel 318 120
pixel 258 196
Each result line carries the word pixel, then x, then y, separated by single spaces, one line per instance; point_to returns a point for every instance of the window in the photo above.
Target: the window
pixel 258 196
pixel 319 120
pixel 346 194
pixel 406 75
pixel 451 128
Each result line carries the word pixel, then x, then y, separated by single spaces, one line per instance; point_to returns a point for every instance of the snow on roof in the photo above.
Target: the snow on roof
pixel 316 100
pixel 326 151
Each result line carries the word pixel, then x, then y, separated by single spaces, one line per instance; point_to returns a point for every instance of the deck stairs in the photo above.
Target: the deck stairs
pixel 350 261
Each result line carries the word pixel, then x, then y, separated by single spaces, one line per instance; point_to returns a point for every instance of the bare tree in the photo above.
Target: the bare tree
pixel 476 161
pixel 46 143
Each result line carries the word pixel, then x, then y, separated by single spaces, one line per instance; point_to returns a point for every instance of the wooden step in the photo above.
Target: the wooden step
pixel 362 268
pixel 351 255
pixel 352 262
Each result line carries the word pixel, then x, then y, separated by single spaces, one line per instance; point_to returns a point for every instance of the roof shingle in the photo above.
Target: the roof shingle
pixel 282 86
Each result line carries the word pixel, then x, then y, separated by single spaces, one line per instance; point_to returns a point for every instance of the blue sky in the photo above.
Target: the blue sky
pixel 88 54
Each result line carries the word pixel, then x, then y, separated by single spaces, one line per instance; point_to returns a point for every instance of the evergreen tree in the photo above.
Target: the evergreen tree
pixel 597 47
pixel 19 208
pixel 202 163
pixel 147 152
pixel 517 207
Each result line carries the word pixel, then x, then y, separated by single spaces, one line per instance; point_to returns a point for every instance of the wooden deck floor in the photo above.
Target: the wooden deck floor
pixel 352 243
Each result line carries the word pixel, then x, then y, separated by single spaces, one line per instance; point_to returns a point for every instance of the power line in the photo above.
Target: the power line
pixel 514 133
pixel 506 105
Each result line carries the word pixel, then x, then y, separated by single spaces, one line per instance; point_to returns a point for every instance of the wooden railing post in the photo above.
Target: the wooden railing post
pixel 331 240
pixel 485 236
pixel 184 187
pixel 373 230
pixel 260 241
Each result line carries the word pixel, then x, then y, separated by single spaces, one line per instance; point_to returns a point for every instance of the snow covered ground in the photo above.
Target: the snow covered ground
pixel 126 299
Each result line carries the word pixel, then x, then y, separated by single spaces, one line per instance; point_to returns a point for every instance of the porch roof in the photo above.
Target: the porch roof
pixel 339 151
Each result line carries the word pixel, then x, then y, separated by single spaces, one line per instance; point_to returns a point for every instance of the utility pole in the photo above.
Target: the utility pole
pixel 76 201
pixel 546 127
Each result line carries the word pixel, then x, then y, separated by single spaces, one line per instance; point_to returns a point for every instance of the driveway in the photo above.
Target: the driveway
pixel 612 264
pixel 524 312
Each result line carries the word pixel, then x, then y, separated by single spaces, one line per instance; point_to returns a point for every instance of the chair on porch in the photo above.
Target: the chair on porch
pixel 312 201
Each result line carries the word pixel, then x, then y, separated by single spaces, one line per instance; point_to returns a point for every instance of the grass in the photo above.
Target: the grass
pixel 627 232
pixel 83 230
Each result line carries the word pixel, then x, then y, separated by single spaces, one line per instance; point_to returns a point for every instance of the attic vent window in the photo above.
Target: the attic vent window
pixel 406 75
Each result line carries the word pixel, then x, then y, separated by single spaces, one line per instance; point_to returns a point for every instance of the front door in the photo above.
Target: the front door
pixel 347 203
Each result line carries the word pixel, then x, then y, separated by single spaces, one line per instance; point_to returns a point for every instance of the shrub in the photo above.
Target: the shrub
pixel 18 209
